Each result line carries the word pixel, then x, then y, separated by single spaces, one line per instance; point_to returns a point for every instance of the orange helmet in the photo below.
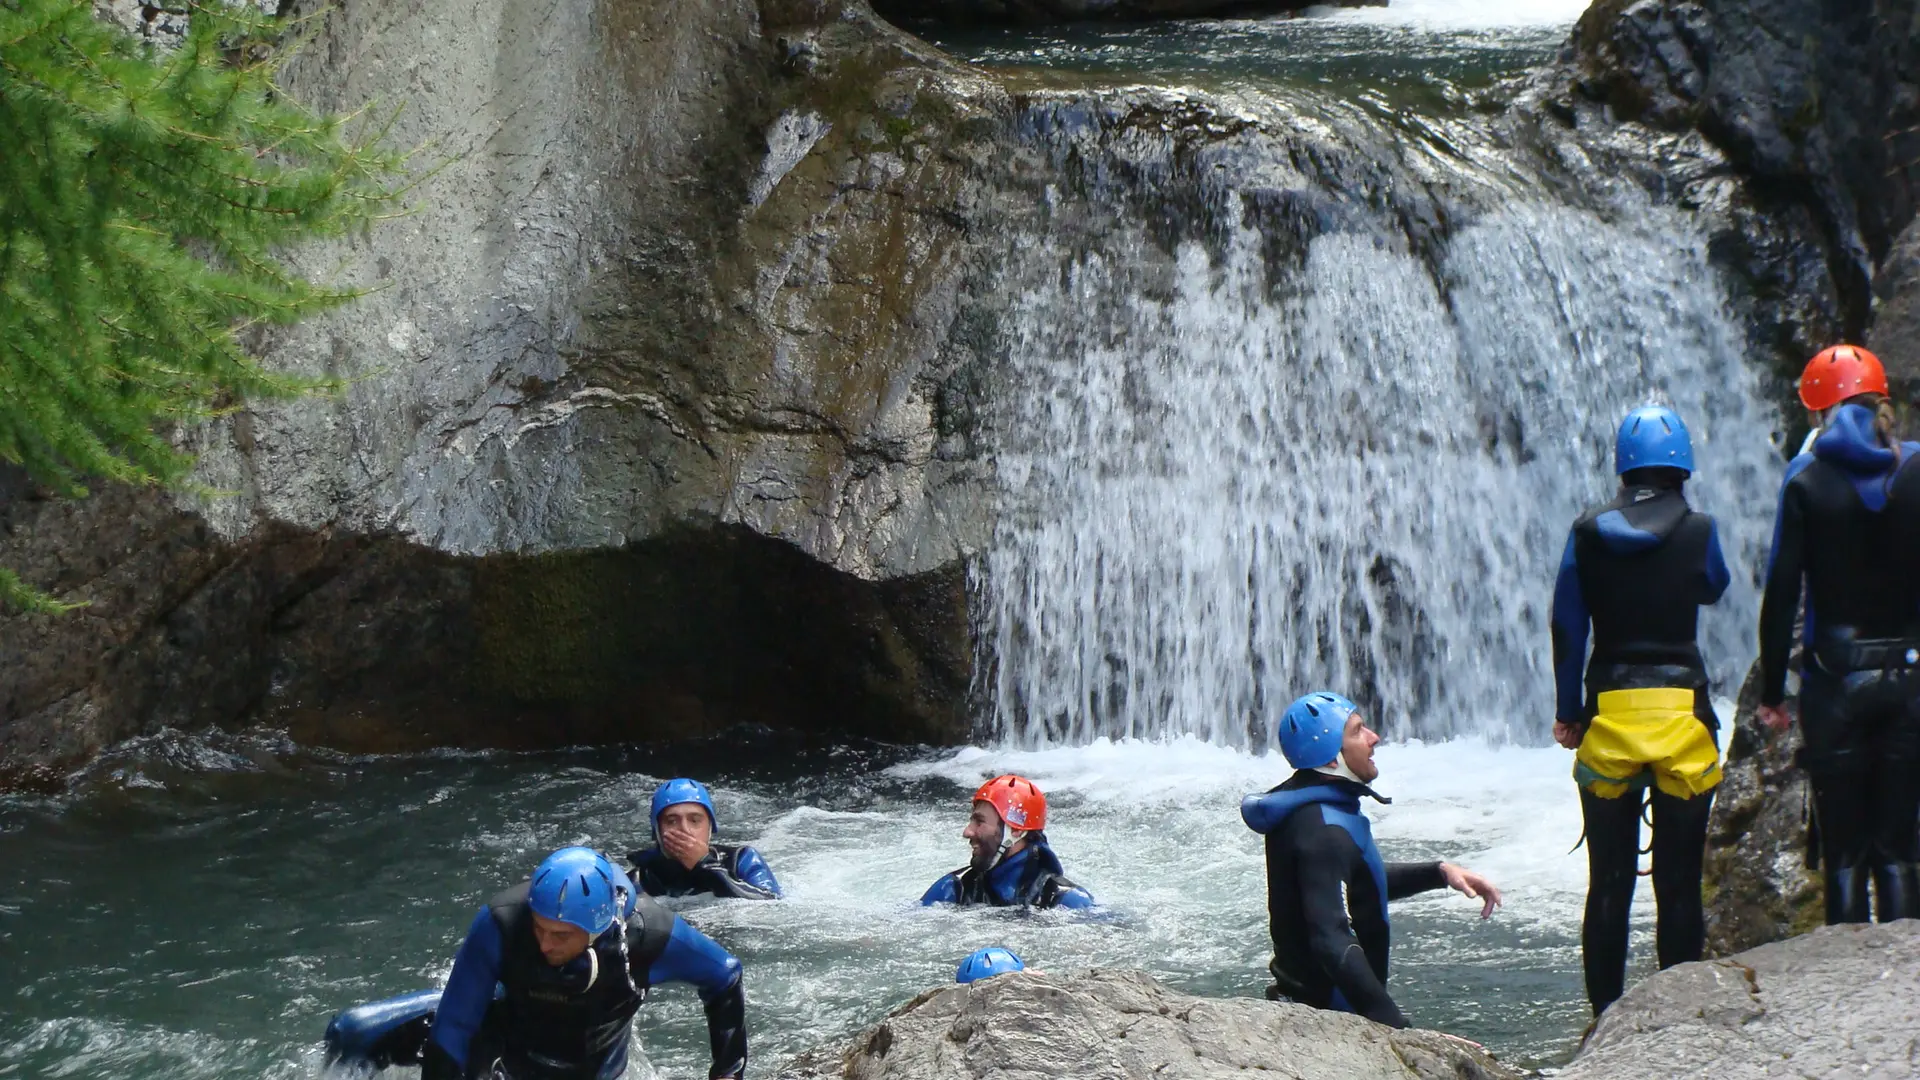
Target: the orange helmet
pixel 1838 373
pixel 1020 804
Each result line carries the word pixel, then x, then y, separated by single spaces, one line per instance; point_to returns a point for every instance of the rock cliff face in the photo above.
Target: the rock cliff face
pixel 680 272
pixel 1815 107
pixel 1122 1025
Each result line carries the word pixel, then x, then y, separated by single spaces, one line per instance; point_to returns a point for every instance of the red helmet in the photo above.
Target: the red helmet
pixel 1020 804
pixel 1838 373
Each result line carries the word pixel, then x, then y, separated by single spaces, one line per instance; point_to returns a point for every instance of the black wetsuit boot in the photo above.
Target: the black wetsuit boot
pixel 1679 855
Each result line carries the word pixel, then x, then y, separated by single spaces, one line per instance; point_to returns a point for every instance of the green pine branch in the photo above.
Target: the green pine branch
pixel 146 203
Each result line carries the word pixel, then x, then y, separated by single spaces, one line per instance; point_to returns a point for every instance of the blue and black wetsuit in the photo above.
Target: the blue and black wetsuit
pixel 570 1023
pixel 1327 894
pixel 726 871
pixel 1638 569
pixel 1032 877
pixel 1848 539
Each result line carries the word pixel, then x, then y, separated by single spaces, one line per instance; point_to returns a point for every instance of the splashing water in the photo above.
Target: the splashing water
pixel 1359 476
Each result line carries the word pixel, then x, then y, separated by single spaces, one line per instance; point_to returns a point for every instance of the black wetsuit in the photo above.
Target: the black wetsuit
pixel 737 872
pixel 1327 894
pixel 1849 533
pixel 1638 568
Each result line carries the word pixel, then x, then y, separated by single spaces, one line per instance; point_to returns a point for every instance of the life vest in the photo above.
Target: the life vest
pixel 1040 881
pixel 562 1023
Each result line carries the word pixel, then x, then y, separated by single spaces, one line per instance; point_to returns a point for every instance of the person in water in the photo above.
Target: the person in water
pixel 1638 569
pixel 574 950
pixel 1848 538
pixel 1327 887
pixel 1012 862
pixel 684 860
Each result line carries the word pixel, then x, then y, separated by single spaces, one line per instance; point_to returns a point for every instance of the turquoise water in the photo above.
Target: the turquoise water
pixel 1426 50
pixel 205 904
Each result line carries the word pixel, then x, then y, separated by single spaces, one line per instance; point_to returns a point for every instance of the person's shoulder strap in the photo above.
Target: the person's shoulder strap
pixel 648 928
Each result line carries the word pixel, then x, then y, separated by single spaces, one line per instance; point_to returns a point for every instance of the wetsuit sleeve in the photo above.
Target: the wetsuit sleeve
pixel 944 891
pixel 1076 898
pixel 692 957
pixel 1780 600
pixel 1328 858
pixel 1718 576
pixel 463 1004
pixel 1570 617
pixel 1404 879
pixel 753 870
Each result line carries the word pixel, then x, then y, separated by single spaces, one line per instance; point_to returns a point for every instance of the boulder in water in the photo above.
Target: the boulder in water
pixel 1839 1001
pixel 1123 1025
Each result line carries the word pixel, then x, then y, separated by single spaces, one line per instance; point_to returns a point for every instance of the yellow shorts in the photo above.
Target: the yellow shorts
pixel 1647 736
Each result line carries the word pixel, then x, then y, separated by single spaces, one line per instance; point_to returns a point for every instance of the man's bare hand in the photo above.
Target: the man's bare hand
pixel 1776 717
pixel 1567 735
pixel 1479 888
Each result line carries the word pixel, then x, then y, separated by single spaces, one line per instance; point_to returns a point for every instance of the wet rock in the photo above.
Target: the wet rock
pixel 1033 12
pixel 685 271
pixel 1895 336
pixel 1815 107
pixel 1123 1025
pixel 1836 1002
pixel 1758 886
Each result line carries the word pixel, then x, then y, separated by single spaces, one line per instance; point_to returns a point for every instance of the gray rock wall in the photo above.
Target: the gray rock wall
pixel 672 270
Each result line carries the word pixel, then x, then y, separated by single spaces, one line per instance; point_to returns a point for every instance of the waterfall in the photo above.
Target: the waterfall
pixel 1227 478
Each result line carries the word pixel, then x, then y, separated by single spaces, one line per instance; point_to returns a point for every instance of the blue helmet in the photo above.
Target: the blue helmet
pixel 987 963
pixel 1313 727
pixel 1652 435
pixel 675 792
pixel 579 886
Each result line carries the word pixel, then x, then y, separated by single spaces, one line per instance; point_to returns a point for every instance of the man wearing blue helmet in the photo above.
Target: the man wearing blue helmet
pixel 573 951
pixel 1637 570
pixel 684 859
pixel 1327 887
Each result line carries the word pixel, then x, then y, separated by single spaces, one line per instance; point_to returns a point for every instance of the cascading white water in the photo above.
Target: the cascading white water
pixel 1224 491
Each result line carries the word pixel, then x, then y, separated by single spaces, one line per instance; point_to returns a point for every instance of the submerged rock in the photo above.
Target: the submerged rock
pixel 1839 1001
pixel 1123 1025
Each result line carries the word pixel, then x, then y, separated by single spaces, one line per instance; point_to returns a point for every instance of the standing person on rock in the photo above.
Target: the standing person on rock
pixel 1637 569
pixel 1848 539
pixel 1012 865
pixel 685 861
pixel 1327 887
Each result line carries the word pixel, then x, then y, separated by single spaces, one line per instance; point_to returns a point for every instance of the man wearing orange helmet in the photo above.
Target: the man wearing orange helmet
pixel 1012 861
pixel 1848 539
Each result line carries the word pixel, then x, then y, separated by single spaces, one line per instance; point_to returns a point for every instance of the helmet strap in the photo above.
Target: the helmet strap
pixel 1338 767
pixel 1008 838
